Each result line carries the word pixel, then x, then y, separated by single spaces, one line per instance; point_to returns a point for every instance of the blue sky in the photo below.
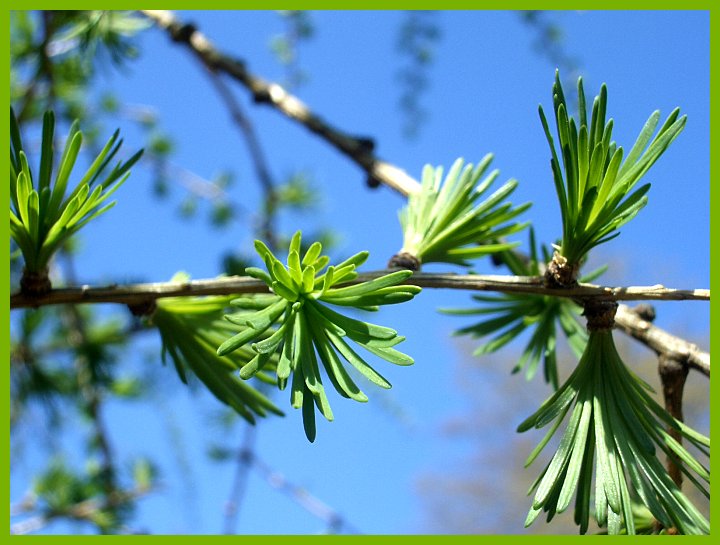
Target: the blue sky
pixel 486 84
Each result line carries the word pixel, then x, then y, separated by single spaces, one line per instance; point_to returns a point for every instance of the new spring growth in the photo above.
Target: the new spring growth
pixel 306 333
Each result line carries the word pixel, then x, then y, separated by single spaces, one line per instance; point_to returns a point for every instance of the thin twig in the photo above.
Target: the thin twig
pixel 673 375
pixel 257 157
pixel 89 389
pixel 655 338
pixel 240 482
pixel 663 343
pixel 335 521
pixel 132 294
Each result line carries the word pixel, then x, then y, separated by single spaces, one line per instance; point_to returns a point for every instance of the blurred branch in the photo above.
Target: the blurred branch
pixel 417 37
pixel 80 511
pixel 77 338
pixel 257 156
pixel 239 485
pixel 549 42
pixel 334 520
pixel 673 375
pixel 663 343
pixel 360 150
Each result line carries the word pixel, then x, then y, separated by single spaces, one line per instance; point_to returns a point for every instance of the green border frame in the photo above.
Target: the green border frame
pixel 417 4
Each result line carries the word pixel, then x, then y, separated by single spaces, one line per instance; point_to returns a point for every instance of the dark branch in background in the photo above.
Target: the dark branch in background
pixel 417 36
pixel 91 392
pixel 675 358
pixel 239 486
pixel 673 367
pixel 358 149
pixel 257 156
pixel 673 375
pixel 333 520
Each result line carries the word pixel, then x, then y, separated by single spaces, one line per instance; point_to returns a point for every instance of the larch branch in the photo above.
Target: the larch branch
pixel 359 149
pixel 133 294
pixel 663 343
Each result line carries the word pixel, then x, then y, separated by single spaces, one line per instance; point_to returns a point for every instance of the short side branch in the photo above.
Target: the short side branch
pixel 663 343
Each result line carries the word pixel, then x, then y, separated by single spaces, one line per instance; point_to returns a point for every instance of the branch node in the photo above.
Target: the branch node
pixel 35 283
pixel 560 273
pixel 262 96
pixel 143 308
pixel 182 32
pixel 645 312
pixel 600 314
pixel 404 260
pixel 372 182
pixel 365 145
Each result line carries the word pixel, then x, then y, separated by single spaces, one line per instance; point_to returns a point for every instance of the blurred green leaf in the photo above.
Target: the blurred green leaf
pixel 191 328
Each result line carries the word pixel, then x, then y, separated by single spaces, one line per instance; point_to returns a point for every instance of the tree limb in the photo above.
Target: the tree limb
pixel 360 150
pixel 663 343
pixel 132 294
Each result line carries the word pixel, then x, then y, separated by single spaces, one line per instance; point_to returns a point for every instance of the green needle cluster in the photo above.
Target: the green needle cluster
pixel 511 314
pixel 593 183
pixel 309 333
pixel 616 428
pixel 445 221
pixel 190 329
pixel 42 217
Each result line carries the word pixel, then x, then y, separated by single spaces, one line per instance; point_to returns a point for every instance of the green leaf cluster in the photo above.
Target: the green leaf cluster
pixel 104 30
pixel 595 186
pixel 191 328
pixel 60 491
pixel 445 221
pixel 42 216
pixel 308 330
pixel 616 428
pixel 510 314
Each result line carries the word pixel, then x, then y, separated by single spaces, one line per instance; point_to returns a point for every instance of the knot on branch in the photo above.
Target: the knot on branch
pixel 600 314
pixel 35 283
pixel 372 182
pixel 365 145
pixel 645 312
pixel 262 95
pixel 182 32
pixel 143 308
pixel 560 273
pixel 246 456
pixel 404 260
